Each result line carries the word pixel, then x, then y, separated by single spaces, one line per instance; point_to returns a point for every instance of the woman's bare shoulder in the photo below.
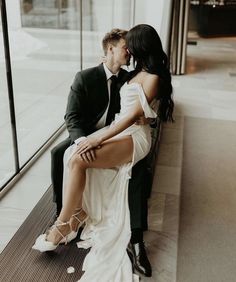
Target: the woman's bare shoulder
pixel 150 85
pixel 150 78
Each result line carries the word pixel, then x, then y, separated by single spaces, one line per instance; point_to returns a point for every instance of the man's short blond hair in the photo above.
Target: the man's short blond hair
pixel 113 37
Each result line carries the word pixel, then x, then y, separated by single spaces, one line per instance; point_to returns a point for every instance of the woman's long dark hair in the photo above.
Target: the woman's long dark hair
pixel 144 44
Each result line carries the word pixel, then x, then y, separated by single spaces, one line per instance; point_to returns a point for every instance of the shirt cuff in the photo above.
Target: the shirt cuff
pixel 78 140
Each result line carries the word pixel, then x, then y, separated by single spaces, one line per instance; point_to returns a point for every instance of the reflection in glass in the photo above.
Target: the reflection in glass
pixel 99 17
pixel 44 62
pixel 45 46
pixel 59 14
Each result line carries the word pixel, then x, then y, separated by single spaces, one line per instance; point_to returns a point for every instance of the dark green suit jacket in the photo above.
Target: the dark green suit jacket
pixel 88 100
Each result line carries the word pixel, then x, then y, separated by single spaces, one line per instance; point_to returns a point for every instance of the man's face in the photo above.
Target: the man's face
pixel 120 54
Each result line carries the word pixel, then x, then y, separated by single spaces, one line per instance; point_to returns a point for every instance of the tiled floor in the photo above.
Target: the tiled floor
pixel 208 89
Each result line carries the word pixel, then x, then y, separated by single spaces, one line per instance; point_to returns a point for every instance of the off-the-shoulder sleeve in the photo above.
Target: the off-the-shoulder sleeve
pixel 148 111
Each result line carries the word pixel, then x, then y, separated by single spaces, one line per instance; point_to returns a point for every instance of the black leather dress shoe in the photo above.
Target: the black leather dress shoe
pixel 139 259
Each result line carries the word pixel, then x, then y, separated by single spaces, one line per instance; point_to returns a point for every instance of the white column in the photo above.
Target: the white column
pixel 111 14
pixel 156 13
pixel 13 14
pixel 122 14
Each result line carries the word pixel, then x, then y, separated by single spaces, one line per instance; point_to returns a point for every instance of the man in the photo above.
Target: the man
pixel 93 101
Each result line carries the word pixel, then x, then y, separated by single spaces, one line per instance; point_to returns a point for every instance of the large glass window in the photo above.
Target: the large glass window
pixel 49 41
pixel 43 64
pixel 99 17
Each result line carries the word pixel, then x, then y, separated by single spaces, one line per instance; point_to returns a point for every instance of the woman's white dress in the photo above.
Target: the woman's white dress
pixel 105 200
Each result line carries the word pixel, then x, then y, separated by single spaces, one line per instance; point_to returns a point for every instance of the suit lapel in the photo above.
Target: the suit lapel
pixel 102 83
pixel 101 97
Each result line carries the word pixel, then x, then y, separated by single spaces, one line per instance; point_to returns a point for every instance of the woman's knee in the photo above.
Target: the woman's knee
pixel 77 162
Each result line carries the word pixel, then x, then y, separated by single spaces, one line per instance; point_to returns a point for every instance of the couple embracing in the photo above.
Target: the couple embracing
pixel 104 167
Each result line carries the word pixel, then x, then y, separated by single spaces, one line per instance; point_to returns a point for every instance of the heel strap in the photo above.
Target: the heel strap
pixel 75 215
pixel 59 223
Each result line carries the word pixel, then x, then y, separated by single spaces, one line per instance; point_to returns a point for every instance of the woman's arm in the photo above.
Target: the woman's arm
pixel 150 89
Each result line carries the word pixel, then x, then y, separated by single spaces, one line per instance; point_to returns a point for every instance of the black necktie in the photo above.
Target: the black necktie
pixel 114 105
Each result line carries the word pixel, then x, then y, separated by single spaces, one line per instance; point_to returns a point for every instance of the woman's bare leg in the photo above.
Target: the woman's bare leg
pixel 113 152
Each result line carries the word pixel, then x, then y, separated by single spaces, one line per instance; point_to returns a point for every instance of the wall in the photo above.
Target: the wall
pixel 155 13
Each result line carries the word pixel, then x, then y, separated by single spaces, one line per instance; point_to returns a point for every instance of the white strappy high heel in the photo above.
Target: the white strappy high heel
pixel 73 234
pixel 41 244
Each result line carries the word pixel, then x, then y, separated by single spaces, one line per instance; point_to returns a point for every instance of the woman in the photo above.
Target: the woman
pixel 103 183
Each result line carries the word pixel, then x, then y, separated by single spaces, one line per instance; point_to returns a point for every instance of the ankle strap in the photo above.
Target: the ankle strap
pixel 75 215
pixel 61 223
